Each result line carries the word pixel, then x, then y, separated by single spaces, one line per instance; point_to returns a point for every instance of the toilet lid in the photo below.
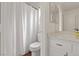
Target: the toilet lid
pixel 35 45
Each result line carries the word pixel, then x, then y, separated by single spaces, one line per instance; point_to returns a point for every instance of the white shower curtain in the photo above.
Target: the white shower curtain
pixel 26 28
pixel 29 26
pixel 8 39
pixel 19 28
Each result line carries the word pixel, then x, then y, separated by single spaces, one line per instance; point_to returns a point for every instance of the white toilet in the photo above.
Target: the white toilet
pixel 35 47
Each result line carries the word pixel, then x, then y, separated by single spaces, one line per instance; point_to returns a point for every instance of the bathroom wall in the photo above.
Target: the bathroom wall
pixel 69 18
pixel 44 19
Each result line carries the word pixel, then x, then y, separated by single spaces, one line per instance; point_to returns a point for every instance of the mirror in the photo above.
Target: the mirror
pixel 64 16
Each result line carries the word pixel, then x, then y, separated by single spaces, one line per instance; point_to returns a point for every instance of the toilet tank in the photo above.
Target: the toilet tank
pixel 39 36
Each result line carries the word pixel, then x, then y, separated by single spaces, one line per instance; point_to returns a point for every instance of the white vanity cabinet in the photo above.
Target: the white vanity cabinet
pixel 59 47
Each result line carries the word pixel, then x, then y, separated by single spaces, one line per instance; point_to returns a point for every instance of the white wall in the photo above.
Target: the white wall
pixel 69 19
pixel 44 7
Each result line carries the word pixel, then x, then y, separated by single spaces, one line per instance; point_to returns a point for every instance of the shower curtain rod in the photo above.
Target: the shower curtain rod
pixel 32 6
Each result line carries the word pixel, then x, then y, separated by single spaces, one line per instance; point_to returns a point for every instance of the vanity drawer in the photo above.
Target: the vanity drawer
pixel 58 47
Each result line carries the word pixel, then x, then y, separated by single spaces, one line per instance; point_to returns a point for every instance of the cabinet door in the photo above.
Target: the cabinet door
pixel 59 47
pixel 75 49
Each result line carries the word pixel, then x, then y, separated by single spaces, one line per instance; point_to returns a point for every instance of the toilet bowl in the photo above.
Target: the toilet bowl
pixel 35 47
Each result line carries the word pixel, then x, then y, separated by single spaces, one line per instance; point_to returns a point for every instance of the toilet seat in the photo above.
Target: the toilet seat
pixel 35 46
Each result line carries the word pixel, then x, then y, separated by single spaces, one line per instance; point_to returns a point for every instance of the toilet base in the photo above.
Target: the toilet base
pixel 36 53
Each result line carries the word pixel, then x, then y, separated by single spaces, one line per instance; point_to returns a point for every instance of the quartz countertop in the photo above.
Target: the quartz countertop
pixel 65 35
